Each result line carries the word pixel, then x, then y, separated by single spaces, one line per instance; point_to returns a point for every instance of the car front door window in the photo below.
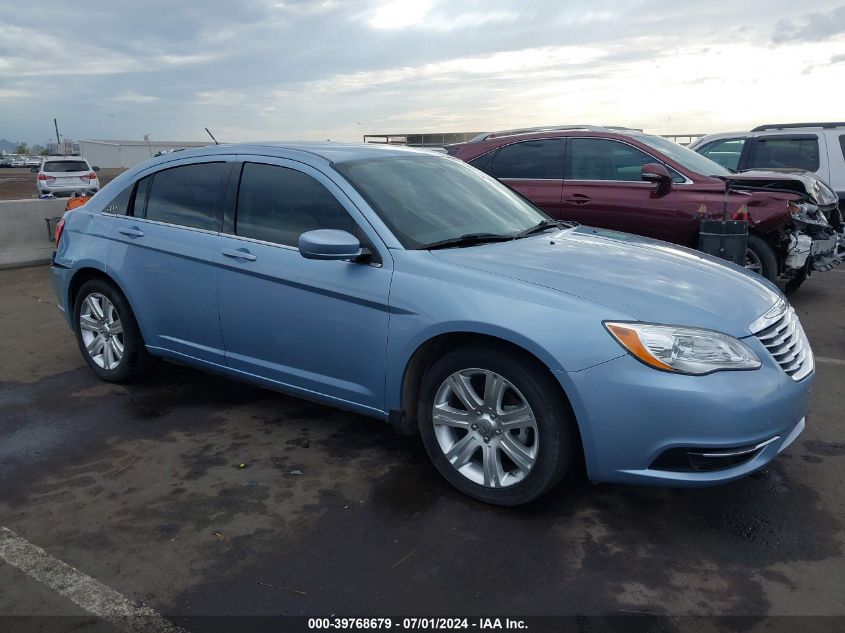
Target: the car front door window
pixel 277 204
pixel 603 159
pixel 603 187
pixel 726 152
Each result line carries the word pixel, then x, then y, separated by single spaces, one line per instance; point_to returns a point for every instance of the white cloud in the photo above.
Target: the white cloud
pixel 400 14
pixel 134 97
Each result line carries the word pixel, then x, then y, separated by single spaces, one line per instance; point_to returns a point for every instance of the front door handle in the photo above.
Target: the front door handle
pixel 239 254
pixel 131 231
pixel 578 198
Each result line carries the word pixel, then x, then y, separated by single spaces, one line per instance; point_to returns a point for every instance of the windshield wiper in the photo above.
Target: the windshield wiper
pixel 469 239
pixel 542 226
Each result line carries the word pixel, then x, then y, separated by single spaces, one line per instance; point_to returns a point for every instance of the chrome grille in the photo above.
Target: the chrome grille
pixel 781 332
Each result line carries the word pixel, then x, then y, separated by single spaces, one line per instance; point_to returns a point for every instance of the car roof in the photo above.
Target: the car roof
pixel 330 151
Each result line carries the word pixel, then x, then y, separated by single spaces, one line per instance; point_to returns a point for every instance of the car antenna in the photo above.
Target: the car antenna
pixel 212 136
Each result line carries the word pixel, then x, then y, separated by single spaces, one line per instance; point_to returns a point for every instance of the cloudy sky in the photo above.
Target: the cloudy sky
pixel 316 69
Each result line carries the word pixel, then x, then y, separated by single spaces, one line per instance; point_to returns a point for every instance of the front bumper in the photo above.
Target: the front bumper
pixel 630 416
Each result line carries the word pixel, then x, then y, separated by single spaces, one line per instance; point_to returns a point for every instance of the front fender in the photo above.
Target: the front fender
pixel 564 332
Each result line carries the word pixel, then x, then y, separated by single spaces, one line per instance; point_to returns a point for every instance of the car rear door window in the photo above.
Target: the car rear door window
pixel 604 159
pixel 278 204
pixel 725 152
pixel 120 203
pixel 536 160
pixel 797 151
pixel 187 196
pixel 842 144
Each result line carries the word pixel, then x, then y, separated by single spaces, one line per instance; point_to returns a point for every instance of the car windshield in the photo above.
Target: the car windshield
pixel 685 156
pixel 59 166
pixel 428 199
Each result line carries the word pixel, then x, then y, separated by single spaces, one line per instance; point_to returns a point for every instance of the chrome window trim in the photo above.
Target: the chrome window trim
pixel 255 240
pixel 160 223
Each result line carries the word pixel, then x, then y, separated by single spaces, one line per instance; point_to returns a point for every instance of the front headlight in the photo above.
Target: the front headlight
pixel 823 194
pixel 808 213
pixel 683 350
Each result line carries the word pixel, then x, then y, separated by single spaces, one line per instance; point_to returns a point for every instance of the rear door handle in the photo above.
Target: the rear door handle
pixel 132 232
pixel 578 198
pixel 239 254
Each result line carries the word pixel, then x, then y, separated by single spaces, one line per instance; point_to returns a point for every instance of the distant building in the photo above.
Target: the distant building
pixel 67 147
pixel 430 140
pixel 122 153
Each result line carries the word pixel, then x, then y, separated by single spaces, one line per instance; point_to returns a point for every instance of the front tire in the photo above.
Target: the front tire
pixel 496 425
pixel 760 258
pixel 107 332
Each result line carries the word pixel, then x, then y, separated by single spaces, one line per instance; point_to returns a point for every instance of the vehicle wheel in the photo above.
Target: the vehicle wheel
pixel 107 333
pixel 793 284
pixel 495 425
pixel 760 258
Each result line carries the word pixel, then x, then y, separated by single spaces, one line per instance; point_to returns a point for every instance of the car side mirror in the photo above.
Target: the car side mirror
pixel 95 168
pixel 657 174
pixel 34 170
pixel 329 244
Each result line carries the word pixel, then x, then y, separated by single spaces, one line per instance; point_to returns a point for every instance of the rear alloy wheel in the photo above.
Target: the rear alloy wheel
pixel 101 331
pixel 107 333
pixel 495 425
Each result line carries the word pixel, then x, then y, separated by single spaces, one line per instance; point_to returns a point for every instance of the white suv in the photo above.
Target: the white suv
pixel 816 147
pixel 63 176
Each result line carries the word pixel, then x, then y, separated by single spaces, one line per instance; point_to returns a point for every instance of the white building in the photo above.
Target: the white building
pixel 127 154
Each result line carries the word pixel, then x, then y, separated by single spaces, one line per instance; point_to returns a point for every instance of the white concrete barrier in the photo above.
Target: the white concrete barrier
pixel 23 231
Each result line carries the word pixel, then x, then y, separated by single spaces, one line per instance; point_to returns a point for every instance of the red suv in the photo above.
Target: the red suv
pixel 639 183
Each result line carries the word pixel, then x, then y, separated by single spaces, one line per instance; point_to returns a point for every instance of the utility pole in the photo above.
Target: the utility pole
pixel 58 138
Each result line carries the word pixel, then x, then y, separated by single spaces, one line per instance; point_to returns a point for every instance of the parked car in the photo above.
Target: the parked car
pixel 410 287
pixel 17 161
pixel 32 161
pixel 64 176
pixel 813 152
pixel 640 183
pixel 815 147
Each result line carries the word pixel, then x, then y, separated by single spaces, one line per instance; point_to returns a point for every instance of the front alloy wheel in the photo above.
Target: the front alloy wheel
pixel 485 428
pixel 496 423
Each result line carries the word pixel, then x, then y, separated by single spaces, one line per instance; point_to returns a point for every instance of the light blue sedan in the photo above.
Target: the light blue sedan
pixel 415 289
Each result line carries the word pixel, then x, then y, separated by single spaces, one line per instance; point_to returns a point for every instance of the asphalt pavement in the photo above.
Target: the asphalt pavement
pixel 195 495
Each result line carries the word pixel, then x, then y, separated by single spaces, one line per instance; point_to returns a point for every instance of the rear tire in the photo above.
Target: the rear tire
pixel 761 258
pixel 517 438
pixel 107 332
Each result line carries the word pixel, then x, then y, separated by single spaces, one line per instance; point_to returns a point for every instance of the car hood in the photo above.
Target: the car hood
pixel 798 180
pixel 647 279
